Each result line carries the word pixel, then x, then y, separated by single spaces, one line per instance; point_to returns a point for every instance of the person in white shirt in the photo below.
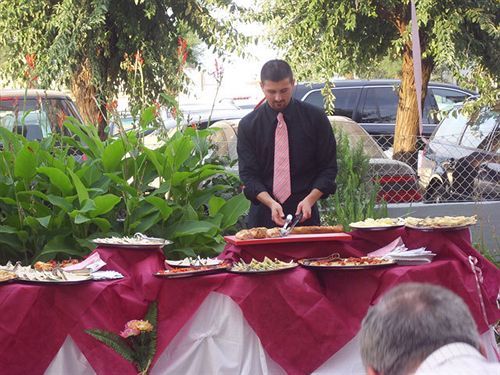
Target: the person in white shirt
pixel 422 329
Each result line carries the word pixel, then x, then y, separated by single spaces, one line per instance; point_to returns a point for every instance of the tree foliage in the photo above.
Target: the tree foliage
pixel 325 37
pixel 97 47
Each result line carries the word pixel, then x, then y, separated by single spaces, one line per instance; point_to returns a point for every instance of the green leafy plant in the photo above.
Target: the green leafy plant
pixel 136 343
pixel 58 194
pixel 356 196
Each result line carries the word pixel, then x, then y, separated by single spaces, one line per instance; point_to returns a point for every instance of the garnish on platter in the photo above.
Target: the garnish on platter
pixel 266 266
pixel 378 224
pixel 195 262
pixel 334 261
pixel 441 222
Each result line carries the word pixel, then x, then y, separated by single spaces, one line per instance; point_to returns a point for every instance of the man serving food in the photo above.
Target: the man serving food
pixel 287 153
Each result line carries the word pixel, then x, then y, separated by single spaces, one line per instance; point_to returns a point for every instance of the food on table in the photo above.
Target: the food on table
pixel 51 264
pixel 28 273
pixel 6 275
pixel 261 232
pixel 383 222
pixel 266 265
pixel 441 221
pixel 136 239
pixel 196 262
pixel 273 232
pixel 318 229
pixel 190 270
pixel 351 261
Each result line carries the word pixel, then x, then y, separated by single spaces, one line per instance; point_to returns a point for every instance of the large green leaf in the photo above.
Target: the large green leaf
pixel 146 223
pixel 214 205
pixel 58 179
pixel 63 244
pixel 104 204
pixel 103 224
pixel 60 202
pixel 233 209
pixel 81 190
pixel 112 155
pixel 25 162
pixel 161 205
pixel 189 228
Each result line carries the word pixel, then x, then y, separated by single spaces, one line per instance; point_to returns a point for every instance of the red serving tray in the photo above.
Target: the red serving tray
pixel 291 238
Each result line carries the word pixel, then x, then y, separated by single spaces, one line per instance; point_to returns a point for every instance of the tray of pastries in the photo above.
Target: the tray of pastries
pixel 378 224
pixel 441 222
pixel 262 235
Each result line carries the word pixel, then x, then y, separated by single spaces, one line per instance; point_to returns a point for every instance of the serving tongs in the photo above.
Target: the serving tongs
pixel 289 224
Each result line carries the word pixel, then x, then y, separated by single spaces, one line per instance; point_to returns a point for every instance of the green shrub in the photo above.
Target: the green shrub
pixel 356 194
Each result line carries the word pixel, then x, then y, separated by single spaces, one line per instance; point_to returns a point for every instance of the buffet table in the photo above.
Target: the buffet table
pixel 300 319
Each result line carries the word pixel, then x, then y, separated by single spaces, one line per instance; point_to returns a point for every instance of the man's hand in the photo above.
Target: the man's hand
pixel 305 205
pixel 277 214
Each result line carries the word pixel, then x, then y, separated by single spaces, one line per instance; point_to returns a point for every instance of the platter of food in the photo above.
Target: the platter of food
pixel 196 262
pixel 261 235
pixel 378 224
pixel 137 241
pixel 267 266
pixel 174 273
pixel 443 223
pixel 334 261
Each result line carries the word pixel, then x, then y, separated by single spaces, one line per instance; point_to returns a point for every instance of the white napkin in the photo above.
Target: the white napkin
pixel 399 252
pixel 93 262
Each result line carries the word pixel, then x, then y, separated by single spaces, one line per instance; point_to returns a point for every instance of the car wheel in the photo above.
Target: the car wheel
pixel 437 192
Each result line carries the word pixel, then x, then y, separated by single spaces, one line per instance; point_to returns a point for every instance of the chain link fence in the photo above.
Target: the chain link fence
pixel 449 169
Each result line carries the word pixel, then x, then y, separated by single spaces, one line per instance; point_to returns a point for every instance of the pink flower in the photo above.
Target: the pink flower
pixel 127 332
pixel 139 325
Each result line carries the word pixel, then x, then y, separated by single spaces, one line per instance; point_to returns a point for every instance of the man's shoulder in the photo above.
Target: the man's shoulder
pixel 309 108
pixel 250 118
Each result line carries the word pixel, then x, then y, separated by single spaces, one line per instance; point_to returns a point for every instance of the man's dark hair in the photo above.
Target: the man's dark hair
pixel 411 322
pixel 276 70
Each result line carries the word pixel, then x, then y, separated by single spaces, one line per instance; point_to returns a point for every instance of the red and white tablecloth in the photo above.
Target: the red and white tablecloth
pixel 302 318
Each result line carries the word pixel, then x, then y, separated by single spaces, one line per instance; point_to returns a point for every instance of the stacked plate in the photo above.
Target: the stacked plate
pixel 411 257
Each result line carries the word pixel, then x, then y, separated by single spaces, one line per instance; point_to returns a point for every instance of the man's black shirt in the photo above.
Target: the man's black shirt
pixel 312 148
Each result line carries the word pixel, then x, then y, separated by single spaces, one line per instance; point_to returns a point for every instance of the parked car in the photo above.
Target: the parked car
pixel 398 181
pixel 373 103
pixel 35 113
pixel 462 159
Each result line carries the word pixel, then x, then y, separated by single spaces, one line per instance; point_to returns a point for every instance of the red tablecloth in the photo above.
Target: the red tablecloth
pixel 302 317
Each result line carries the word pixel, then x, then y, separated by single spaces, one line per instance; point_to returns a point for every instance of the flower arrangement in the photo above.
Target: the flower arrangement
pixel 136 343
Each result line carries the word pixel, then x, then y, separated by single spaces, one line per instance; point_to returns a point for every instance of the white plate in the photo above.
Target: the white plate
pixel 194 262
pixel 376 227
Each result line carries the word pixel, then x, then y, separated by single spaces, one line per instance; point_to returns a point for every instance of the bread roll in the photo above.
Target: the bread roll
pixel 259 232
pixel 273 232
pixel 244 235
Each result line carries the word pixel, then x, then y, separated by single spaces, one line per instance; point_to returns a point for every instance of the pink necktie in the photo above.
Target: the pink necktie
pixel 281 182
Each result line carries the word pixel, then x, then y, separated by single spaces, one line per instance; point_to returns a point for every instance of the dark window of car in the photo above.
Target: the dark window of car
pixel 479 130
pixel 380 106
pixel 451 127
pixel 447 98
pixel 345 100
